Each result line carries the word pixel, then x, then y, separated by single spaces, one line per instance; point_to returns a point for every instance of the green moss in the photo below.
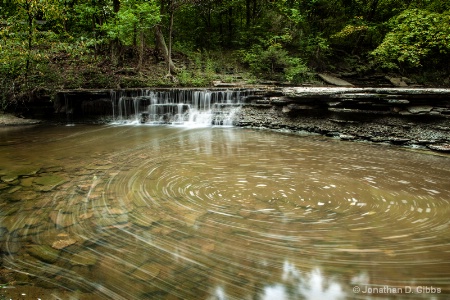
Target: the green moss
pixel 48 183
pixel 44 253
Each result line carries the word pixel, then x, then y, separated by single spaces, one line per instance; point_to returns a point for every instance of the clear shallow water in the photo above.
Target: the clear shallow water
pixel 147 212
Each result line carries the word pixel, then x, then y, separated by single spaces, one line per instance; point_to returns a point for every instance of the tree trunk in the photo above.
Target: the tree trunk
pixel 372 10
pixel 230 23
pixel 170 43
pixel 247 13
pixel 161 45
pixel 30 39
pixel 115 44
pixel 141 51
pixel 116 6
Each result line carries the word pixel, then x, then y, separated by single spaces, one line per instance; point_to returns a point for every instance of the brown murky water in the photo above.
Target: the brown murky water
pixel 145 212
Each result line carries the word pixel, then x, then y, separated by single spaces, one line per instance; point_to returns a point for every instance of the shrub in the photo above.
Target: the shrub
pixel 417 37
pixel 274 62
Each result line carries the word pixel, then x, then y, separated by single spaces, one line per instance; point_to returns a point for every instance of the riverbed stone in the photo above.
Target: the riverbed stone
pixel 10 222
pixel 62 220
pixel 32 221
pixel 14 189
pixel 122 219
pixel 63 243
pixel 44 253
pixel 26 181
pixel 10 176
pixel 84 258
pixel 48 183
pixel 3 232
pixel 147 271
pixel 11 247
pixel 144 217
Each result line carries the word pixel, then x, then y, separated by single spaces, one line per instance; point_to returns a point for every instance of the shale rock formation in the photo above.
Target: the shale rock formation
pixel 403 116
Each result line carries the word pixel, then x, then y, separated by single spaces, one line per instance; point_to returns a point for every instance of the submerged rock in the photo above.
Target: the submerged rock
pixel 13 175
pixel 61 244
pixel 84 258
pixel 147 272
pixel 48 183
pixel 44 253
pixel 62 220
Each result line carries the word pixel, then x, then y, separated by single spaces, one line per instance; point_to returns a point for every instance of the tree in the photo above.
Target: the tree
pixel 21 27
pixel 169 7
pixel 417 38
pixel 135 18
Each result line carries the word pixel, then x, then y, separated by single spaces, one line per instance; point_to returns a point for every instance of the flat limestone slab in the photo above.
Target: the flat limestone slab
pixel 329 91
pixel 334 80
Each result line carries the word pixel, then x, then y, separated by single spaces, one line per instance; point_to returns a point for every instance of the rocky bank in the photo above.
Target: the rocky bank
pixel 414 117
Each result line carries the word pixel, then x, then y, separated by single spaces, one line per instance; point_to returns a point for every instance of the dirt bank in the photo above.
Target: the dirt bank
pixel 12 120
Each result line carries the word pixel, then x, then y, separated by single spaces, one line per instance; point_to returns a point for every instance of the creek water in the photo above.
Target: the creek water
pixel 166 212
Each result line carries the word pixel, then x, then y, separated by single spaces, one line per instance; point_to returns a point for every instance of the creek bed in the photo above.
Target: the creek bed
pixel 167 212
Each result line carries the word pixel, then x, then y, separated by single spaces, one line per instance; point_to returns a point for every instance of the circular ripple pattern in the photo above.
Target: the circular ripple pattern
pixel 216 213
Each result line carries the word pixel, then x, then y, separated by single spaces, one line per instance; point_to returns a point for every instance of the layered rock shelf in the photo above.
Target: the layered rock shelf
pixel 416 117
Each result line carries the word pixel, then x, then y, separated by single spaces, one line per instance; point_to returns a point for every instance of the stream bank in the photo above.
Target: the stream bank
pixel 411 117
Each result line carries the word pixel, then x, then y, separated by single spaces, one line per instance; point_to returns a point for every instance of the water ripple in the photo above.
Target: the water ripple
pixel 231 214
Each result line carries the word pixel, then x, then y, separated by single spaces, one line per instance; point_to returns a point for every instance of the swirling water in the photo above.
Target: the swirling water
pixel 161 212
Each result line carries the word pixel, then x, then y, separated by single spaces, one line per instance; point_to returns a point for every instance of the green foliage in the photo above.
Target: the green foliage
pixel 71 44
pixel 187 78
pixel 274 63
pixel 134 17
pixel 315 48
pixel 418 37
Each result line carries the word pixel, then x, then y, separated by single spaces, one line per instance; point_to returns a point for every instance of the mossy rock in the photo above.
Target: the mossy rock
pixel 105 222
pixel 12 175
pixel 44 253
pixel 9 178
pixel 10 223
pixel 27 181
pixel 9 210
pixel 48 183
pixel 84 258
pixel 144 218
pixel 14 189
pixel 3 232
pixel 147 271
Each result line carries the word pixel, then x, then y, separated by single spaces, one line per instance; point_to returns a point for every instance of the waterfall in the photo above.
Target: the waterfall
pixel 178 106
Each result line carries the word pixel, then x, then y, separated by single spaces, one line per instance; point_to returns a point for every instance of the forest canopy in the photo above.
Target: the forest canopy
pixel 194 39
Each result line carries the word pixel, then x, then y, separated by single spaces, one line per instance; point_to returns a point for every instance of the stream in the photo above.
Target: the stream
pixel 170 212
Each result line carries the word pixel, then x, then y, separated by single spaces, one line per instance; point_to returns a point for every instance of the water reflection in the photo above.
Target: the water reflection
pixel 217 213
pixel 298 285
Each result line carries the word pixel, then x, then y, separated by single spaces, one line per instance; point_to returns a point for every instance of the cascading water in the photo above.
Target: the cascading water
pixel 179 107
